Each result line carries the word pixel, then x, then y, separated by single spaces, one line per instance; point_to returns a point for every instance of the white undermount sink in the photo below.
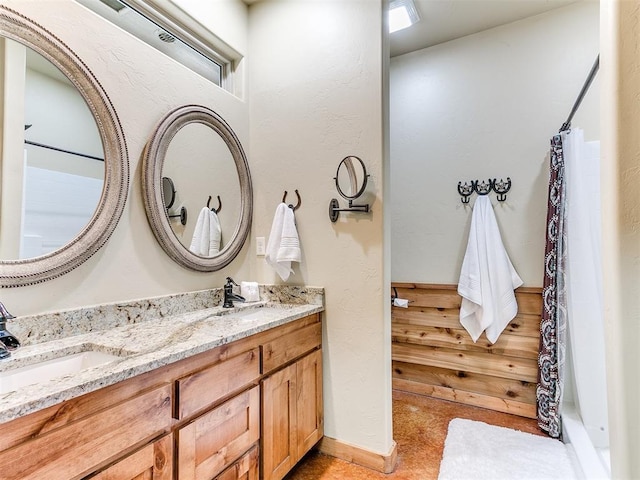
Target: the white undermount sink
pixel 40 372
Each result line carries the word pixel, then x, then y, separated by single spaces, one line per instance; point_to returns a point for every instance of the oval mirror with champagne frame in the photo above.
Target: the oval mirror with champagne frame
pixel 199 151
pixel 64 166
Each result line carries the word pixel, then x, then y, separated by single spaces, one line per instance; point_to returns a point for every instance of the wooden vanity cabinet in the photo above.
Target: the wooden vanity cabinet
pixel 199 418
pixel 292 413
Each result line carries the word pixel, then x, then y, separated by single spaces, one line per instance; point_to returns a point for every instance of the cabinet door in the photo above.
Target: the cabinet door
pixel 279 452
pixel 310 419
pixel 214 440
pixel 153 462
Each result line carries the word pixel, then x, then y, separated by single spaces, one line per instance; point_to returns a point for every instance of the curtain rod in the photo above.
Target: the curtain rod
pixel 42 145
pixel 567 125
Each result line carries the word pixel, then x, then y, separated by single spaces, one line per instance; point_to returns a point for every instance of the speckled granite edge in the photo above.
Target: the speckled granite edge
pixel 48 327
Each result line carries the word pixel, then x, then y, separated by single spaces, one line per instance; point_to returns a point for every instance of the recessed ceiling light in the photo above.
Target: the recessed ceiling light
pixel 402 14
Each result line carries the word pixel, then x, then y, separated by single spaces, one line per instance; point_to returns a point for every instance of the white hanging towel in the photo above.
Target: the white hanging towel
pixel 207 234
pixel 487 279
pixel 283 246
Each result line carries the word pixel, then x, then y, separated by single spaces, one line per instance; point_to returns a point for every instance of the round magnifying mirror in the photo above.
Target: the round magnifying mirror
pixel 168 192
pixel 351 177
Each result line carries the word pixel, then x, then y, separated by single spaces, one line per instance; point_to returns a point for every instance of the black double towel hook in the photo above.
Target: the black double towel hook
pixel 500 187
pixel 215 210
pixel 297 206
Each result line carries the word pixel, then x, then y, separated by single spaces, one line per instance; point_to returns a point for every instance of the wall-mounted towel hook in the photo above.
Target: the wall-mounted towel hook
pixel 297 206
pixel 501 188
pixel 216 210
pixel 465 191
pixel 482 188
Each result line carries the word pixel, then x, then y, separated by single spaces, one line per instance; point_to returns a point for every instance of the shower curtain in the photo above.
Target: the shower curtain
pixel 572 293
pixel 554 314
pixel 585 323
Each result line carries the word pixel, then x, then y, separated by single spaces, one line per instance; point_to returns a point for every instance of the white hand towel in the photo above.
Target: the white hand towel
pixel 283 246
pixel 207 234
pixel 487 279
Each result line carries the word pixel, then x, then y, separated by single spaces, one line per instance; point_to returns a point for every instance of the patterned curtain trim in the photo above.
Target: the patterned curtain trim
pixel 554 312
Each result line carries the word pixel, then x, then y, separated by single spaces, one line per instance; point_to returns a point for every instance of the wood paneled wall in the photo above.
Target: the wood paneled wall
pixel 434 355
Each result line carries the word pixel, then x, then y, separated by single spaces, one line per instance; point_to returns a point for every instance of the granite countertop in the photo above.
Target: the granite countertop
pixel 140 348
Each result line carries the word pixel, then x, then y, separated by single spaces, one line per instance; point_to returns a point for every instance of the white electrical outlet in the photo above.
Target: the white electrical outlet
pixel 260 246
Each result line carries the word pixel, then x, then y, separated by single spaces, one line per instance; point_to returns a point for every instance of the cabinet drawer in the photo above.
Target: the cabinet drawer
pixel 77 449
pixel 246 468
pixel 212 441
pixel 290 346
pixel 153 461
pixel 202 389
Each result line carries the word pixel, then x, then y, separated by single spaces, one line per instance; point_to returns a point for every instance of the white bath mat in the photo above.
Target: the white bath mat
pixel 477 451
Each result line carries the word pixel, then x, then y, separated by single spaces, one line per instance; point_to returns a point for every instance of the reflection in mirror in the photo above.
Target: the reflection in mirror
pixel 196 148
pixel 201 166
pixel 168 192
pixel 63 163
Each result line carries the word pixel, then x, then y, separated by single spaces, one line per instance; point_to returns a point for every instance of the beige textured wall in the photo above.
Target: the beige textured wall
pixel 143 86
pixel 620 70
pixel 316 86
pixel 479 107
pixel 227 19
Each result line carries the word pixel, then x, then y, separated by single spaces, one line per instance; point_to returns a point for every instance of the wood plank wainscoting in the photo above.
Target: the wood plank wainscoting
pixel 433 355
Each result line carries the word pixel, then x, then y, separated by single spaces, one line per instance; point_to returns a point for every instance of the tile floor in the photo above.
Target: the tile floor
pixel 419 427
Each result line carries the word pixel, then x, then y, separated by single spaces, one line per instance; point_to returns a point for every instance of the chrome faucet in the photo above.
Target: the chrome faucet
pixel 229 296
pixel 8 341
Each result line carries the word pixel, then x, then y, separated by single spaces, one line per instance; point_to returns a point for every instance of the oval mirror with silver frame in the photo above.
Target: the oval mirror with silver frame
pixel 112 194
pixel 153 162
